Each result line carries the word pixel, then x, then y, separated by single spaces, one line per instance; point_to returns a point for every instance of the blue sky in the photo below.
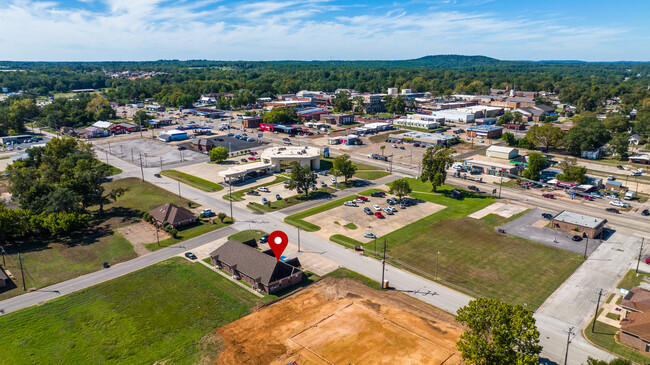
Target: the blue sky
pixel 97 30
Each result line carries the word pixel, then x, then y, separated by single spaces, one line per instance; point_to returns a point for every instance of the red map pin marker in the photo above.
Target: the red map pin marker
pixel 278 241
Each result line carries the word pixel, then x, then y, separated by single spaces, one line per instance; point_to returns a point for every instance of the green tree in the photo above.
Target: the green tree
pixel 343 166
pixel 506 118
pixel 282 115
pixel 342 102
pixel 142 118
pixel 221 216
pixel 571 171
pixel 509 138
pixel 435 162
pixel 588 133
pixel 536 163
pixel 546 135
pixel 358 104
pixel 498 333
pixel 219 154
pixel 400 188
pixel 592 361
pixel 620 144
pixel 301 177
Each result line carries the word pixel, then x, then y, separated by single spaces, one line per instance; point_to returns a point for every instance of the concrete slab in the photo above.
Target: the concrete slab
pixel 505 210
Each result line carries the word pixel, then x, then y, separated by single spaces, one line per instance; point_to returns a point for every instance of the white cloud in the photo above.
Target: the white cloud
pixel 272 30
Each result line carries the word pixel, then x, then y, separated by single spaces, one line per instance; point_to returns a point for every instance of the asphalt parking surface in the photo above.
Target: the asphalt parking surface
pixel 232 143
pixel 523 227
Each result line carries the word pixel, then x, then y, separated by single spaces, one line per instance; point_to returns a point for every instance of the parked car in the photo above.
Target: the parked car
pixel 416 145
pixel 402 206
pixel 278 197
pixel 362 198
pixel 379 194
pixel 264 239
pixel 645 212
pixel 473 188
pixel 618 203
pixel 611 177
pixel 547 215
pixel 369 235
pixel 549 196
pixel 190 255
pixel 350 204
pixel 208 213
pixel 394 146
pixel 376 207
pixel 333 180
pixel 367 210
pixel 576 238
pixel 263 189
pixel 613 210
pixel 181 148
pixel 265 201
pixel 322 184
pixel 393 209
pixel 157 175
pixel 358 201
pixel 388 210
pixel 589 197
pixel 286 181
pixel 379 215
pixel 402 148
pixel 619 167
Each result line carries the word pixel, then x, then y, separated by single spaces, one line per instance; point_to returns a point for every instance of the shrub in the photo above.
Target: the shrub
pixel 221 216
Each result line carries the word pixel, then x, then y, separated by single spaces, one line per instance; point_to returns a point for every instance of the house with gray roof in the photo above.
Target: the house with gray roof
pixel 173 214
pixel 263 272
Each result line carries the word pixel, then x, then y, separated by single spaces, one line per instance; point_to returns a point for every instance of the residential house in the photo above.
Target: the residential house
pixel 535 112
pixel 594 154
pixel 173 214
pixel 634 139
pixel 263 272
pixel 642 158
pixel 4 279
pixel 635 326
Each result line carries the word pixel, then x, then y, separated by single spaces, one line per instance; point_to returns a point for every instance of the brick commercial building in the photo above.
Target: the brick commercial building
pixel 263 272
pixel 338 118
pixel 578 224
pixel 485 131
pixel 251 121
pixel 635 326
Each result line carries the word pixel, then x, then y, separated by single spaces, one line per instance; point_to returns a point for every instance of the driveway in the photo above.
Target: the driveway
pixel 531 226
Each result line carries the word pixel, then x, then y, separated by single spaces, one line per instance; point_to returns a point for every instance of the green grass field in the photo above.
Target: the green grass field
pixel 249 234
pixel 473 258
pixel 143 196
pixel 112 170
pixel 346 273
pixel 190 232
pixel 604 336
pixel 297 219
pixel 193 181
pixel 163 314
pixel 238 195
pixel 364 172
pixel 630 280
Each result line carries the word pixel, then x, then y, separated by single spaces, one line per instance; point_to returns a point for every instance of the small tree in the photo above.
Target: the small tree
pixel 572 172
pixel 221 216
pixel 592 361
pixel 536 163
pixel 400 187
pixel 509 138
pixel 342 102
pixel 342 166
pixel 218 154
pixel 301 177
pixel 498 333
pixel 435 162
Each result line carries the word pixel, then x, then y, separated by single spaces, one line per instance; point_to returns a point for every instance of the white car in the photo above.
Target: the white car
pixel 333 180
pixel 618 203
pixel 640 170
pixel 369 235
pixel 627 168
pixel 350 204
pixel 358 201
pixel 263 189
pixel 394 146
pixel 388 210
pixel 376 207
pixel 611 177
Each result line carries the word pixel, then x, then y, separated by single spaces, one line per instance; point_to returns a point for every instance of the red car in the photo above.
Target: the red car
pixel 252 158
pixel 550 196
pixel 379 215
pixel 590 198
pixel 647 260
pixel 362 198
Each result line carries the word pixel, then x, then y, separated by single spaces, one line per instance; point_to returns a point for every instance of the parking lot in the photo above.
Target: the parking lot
pixel 369 223
pixel 154 152
pixel 532 226
pixel 233 144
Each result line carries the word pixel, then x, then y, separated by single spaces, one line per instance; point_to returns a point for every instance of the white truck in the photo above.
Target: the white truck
pixel 629 195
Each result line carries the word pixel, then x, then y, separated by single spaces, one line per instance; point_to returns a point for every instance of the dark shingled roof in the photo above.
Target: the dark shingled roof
pixel 3 275
pixel 172 213
pixel 251 262
pixel 637 322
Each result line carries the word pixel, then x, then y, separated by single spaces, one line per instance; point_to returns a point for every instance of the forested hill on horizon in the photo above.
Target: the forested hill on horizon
pixel 179 83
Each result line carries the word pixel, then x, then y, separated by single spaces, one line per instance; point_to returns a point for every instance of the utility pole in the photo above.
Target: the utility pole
pixel 230 189
pixel 383 266
pixel 106 156
pixel 4 253
pixel 160 162
pixel 500 185
pixel 437 263
pixel 157 238
pixel 375 246
pixel 593 326
pixel 141 169
pixel 639 260
pixel 298 239
pixel 140 119
pixel 132 159
pixel 179 188
pixel 22 273
pixel 586 245
pixel 568 341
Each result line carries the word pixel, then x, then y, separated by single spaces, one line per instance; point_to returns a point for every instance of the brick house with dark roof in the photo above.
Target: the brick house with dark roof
pixel 635 326
pixel 261 271
pixel 173 214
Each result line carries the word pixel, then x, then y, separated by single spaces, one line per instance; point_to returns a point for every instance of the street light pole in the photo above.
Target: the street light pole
pixel 141 168
pixel 593 326
pixel 568 341
pixel 637 262
pixel 230 189
pixel 298 239
pixel 437 264
pixel 22 273
pixel 586 245
pixel 375 246
pixel 383 265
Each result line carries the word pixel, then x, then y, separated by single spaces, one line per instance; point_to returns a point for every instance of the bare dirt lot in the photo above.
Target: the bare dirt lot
pixel 141 233
pixel 341 321
pixel 368 223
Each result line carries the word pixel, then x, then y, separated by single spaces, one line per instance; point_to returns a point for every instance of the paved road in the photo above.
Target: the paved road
pixel 552 328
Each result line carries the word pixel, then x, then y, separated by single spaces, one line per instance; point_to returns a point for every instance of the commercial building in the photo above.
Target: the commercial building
pixel 373 103
pixel 338 118
pixel 208 113
pixel 455 115
pixel 312 113
pixel 417 123
pixel 251 121
pixel 507 153
pixel 635 325
pixel 172 135
pixel 426 139
pixel 172 214
pixel 642 158
pixel 483 111
pixel 486 166
pixel 348 140
pixel 263 272
pixel 378 126
pixel 485 131
pixel 280 128
pixel 277 156
pixel 580 224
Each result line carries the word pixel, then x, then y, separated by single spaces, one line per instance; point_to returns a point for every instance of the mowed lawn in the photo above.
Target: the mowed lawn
pixel 364 172
pixel 165 313
pixel 475 259
pixel 193 181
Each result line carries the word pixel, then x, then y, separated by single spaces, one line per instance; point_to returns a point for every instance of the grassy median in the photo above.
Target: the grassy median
pixel 191 180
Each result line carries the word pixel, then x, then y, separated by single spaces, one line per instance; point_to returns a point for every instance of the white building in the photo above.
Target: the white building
pixel 503 152
pixel 392 91
pixel 306 156
pixel 416 123
pixel 102 124
pixel 455 115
